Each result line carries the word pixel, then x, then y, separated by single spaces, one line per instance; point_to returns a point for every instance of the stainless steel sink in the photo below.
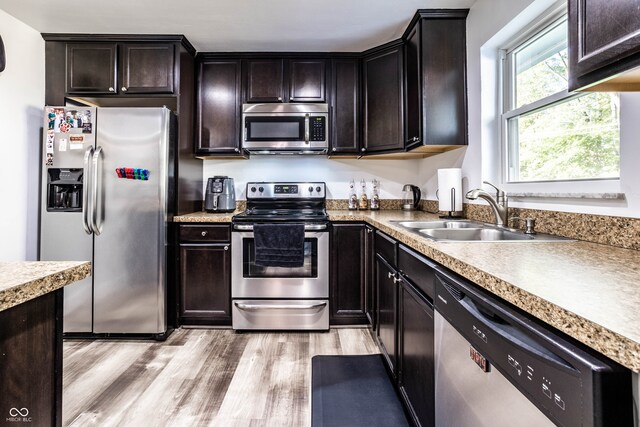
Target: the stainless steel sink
pixel 473 234
pixel 472 231
pixel 437 224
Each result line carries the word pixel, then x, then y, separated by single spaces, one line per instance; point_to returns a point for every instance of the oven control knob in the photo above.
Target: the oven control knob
pixel 253 189
pixel 310 189
pixel 318 189
pixel 261 189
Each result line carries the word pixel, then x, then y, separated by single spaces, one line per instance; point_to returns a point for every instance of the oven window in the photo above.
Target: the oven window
pixel 308 269
pixel 275 128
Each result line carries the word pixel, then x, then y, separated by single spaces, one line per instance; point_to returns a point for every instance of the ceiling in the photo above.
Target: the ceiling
pixel 235 25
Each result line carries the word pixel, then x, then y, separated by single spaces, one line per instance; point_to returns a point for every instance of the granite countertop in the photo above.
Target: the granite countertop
pixel 21 281
pixel 206 217
pixel 589 291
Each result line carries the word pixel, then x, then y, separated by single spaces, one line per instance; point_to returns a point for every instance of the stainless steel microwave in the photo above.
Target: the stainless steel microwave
pixel 285 128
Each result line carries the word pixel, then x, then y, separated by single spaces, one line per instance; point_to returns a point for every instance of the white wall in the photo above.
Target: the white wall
pixel 392 174
pixel 21 102
pixel 492 24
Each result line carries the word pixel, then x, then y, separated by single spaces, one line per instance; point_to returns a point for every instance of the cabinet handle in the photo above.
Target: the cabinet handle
pixel 279 98
pixel 236 150
pixel 397 280
pixel 415 138
pixel 111 89
pixel 363 149
pixel 204 233
pixel 392 275
pixel 226 247
pixel 334 149
pixel 369 231
pixel 124 89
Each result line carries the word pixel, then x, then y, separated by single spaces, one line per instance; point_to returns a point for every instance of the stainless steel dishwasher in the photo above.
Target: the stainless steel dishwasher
pixel 495 366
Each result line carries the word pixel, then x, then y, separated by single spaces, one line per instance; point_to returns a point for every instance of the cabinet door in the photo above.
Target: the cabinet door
pixel 147 68
pixel 604 39
pixel 91 68
pixel 345 103
pixel 413 92
pixel 383 101
pixel 307 80
pixel 443 80
pixel 347 289
pixel 387 292
pixel 416 355
pixel 265 80
pixel 205 284
pixel 219 108
pixel 369 276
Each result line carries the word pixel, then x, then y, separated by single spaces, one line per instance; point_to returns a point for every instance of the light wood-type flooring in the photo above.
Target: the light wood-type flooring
pixel 199 377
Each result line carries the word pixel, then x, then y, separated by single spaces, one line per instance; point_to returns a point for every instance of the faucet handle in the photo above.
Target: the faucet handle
pixel 499 192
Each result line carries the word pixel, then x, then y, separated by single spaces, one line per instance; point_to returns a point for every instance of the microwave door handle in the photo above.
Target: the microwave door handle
pixel 306 128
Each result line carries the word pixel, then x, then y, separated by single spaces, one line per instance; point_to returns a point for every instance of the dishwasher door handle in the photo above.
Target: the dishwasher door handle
pixel 511 334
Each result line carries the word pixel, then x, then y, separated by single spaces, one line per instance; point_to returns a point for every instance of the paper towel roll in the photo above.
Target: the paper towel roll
pixel 448 200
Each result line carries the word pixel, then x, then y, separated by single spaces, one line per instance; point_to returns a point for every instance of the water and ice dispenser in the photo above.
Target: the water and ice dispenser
pixel 64 190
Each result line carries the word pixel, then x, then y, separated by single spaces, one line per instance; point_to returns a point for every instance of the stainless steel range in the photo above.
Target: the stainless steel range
pixel 281 298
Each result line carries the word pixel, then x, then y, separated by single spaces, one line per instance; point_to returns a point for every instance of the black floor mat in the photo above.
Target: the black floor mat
pixel 353 391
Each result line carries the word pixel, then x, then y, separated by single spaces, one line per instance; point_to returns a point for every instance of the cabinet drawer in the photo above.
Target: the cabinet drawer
pixel 419 270
pixel 205 233
pixel 386 247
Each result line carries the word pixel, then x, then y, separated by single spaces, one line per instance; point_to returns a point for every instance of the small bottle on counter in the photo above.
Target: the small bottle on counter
pixel 353 198
pixel 375 197
pixel 364 202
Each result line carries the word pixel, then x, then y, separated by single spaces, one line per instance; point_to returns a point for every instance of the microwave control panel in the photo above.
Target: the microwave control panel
pixel 317 128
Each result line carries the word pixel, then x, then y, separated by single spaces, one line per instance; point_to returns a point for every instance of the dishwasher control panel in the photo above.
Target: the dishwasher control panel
pixel 559 378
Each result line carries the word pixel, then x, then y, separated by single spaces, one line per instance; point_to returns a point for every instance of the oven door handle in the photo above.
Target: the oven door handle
pixel 255 307
pixel 307 227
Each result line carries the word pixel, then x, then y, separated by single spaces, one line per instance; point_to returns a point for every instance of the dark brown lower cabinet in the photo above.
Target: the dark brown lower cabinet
pixel 31 362
pixel 387 310
pixel 205 279
pixel 416 337
pixel 370 279
pixel 347 289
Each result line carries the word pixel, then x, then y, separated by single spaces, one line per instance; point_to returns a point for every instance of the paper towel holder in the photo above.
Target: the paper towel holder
pixel 453 204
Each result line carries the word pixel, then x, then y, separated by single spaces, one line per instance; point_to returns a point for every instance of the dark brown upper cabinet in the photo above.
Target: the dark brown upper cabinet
pixel 285 80
pixel 265 80
pixel 435 81
pixel 307 80
pixel 147 68
pixel 345 106
pixel 383 113
pixel 120 68
pixel 604 45
pixel 219 101
pixel 91 68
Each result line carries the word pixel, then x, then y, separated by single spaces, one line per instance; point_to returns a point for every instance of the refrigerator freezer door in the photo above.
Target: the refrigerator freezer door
pixel 129 252
pixel 62 235
pixel 62 238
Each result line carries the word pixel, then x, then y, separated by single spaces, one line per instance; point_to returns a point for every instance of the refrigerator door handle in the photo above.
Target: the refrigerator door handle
pixel 86 204
pixel 96 192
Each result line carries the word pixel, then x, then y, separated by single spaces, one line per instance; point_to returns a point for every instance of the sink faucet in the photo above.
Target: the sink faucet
pixel 498 204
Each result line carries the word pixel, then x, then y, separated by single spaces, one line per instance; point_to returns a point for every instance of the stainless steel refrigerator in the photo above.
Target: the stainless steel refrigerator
pixel 106 197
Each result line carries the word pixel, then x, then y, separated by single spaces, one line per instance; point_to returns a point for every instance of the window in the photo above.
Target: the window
pixel 549 133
